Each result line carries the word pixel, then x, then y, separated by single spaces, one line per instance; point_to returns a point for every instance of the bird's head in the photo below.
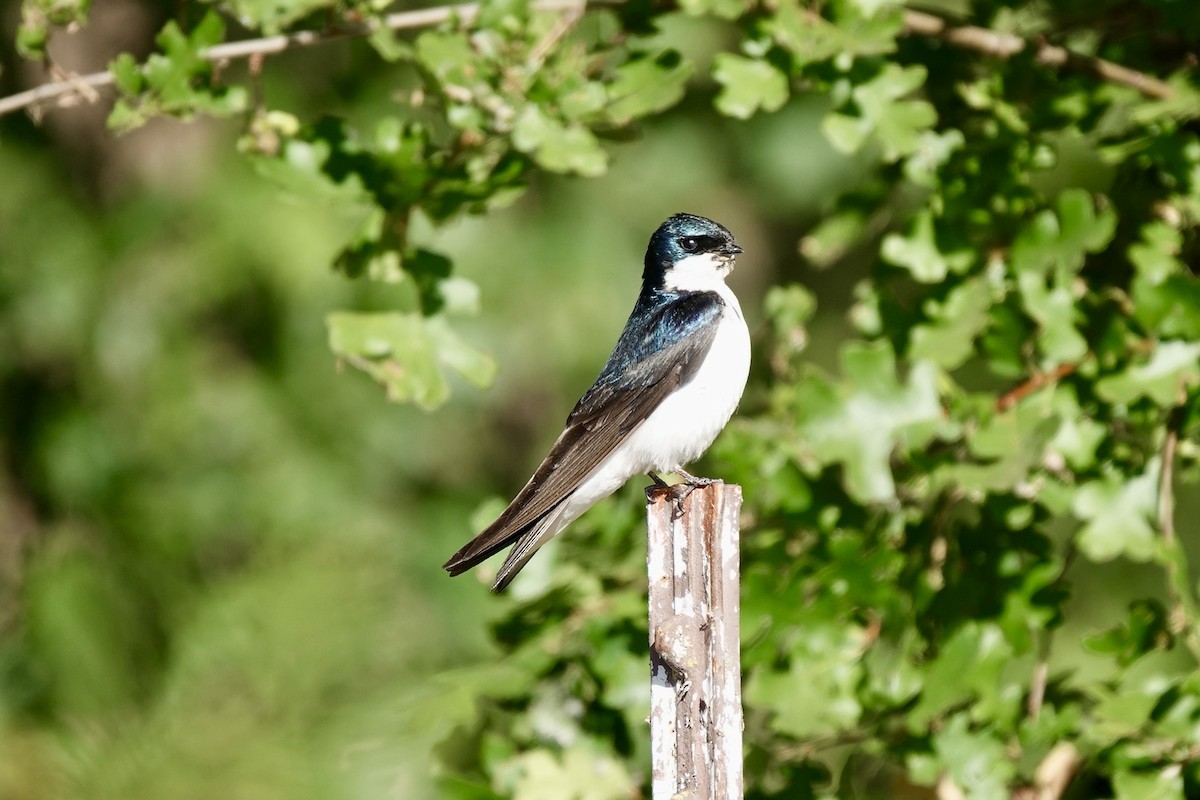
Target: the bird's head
pixel 689 253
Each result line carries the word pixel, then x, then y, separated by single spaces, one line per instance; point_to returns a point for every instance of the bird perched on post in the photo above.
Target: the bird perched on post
pixel 670 385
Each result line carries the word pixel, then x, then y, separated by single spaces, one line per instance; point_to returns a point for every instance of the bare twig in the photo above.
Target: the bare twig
pixel 1166 479
pixel 560 29
pixel 970 37
pixel 1056 771
pixel 1007 45
pixel 68 91
pixel 1034 383
pixel 1054 774
pixel 1182 618
pixel 1037 687
pixel 947 789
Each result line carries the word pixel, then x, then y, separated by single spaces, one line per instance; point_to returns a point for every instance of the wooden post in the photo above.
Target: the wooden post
pixel 695 660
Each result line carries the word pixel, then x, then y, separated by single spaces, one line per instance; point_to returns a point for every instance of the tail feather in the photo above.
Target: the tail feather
pixel 537 535
pixel 483 547
pixel 528 538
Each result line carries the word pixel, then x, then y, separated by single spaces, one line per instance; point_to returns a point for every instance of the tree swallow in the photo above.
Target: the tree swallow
pixel 670 385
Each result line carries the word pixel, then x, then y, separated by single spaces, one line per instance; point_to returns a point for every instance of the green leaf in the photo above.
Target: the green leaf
pixel 919 252
pixel 948 338
pixel 748 85
pixel 273 16
pixel 1117 512
pixel 1047 255
pixel 580 772
pixel 405 353
pixel 1163 784
pixel 967 667
pixel 1146 628
pixel 1165 377
pixel 83 623
pixel 558 147
pixel 1170 308
pixel 126 73
pixel 725 9
pixel 880 110
pixel 1055 307
pixel 389 45
pixel 790 307
pixel 644 85
pixel 1121 711
pixel 870 8
pixel 449 57
pixel 176 81
pixel 833 237
pixel 1078 435
pixel 976 761
pixel 1156 256
pixel 32 36
pixel 859 422
pixel 1062 240
pixel 816 695
pixel 473 364
pixel 208 32
pixel 894 676
pixel 933 150
pixel 811 39
pixel 1005 447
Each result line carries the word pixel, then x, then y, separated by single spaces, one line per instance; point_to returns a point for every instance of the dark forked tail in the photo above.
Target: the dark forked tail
pixel 499 535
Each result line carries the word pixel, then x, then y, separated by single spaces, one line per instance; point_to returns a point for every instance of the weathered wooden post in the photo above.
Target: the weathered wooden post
pixel 695 660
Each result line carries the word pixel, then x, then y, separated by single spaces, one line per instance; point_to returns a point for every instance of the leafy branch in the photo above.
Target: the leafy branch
pixel 1006 45
pixel 75 88
pixel 1000 435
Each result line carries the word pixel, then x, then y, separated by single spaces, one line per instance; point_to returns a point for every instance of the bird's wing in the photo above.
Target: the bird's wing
pixel 653 358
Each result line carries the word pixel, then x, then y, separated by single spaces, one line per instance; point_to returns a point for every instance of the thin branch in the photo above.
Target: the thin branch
pixel 1034 383
pixel 970 37
pixel 1057 770
pixel 70 91
pixel 1182 618
pixel 1037 687
pixel 1007 45
pixel 1166 480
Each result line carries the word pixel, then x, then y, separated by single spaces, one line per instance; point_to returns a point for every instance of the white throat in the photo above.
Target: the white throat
pixel 700 273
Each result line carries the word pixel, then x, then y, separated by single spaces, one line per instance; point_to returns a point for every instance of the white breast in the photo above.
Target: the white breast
pixel 689 419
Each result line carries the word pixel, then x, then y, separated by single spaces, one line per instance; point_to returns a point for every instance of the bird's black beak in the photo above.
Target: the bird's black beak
pixel 730 250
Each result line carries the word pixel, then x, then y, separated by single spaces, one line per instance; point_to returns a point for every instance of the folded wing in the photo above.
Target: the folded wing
pixel 662 346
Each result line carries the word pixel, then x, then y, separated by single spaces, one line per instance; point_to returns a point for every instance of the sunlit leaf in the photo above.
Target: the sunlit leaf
pixel 920 254
pixel 1172 369
pixel 405 353
pixel 1118 514
pixel 859 421
pixel 748 85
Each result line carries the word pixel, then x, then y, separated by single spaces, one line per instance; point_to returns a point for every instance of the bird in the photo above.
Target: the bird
pixel 673 381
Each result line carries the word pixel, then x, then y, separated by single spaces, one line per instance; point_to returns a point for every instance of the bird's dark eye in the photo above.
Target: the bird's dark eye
pixel 690 244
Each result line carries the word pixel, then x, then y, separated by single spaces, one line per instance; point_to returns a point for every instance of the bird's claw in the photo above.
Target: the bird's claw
pixel 679 491
pixel 694 480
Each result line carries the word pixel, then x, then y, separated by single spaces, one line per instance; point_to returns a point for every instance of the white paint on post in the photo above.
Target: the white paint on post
pixel 695 660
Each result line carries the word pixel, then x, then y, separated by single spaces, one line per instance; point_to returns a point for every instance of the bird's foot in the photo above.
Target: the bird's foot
pixel 659 487
pixel 679 491
pixel 693 480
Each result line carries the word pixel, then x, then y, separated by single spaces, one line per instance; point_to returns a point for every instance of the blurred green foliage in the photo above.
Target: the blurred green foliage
pixel 969 447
